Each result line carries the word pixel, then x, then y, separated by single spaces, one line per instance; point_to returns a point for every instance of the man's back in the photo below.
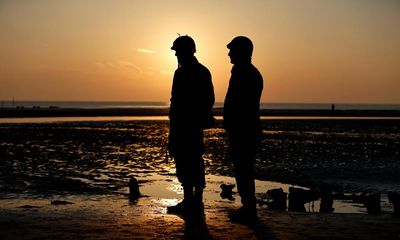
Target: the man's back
pixel 242 102
pixel 192 95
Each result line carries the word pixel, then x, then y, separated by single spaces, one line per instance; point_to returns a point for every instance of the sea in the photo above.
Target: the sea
pixel 127 104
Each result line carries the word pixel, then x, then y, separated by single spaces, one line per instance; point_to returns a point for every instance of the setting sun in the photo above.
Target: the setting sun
pixel 308 51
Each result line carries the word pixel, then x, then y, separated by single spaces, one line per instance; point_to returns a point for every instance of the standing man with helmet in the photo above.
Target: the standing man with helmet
pixel 192 99
pixel 242 123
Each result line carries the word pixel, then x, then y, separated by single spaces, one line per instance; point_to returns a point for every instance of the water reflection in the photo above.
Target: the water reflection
pixel 167 191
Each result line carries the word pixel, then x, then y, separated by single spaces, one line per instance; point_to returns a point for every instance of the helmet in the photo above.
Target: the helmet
pixel 241 44
pixel 184 43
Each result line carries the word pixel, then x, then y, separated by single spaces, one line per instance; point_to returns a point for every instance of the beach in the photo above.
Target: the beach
pixel 112 218
pixel 89 163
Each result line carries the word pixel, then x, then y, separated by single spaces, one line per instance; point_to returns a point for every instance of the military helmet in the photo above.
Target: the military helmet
pixel 184 43
pixel 241 44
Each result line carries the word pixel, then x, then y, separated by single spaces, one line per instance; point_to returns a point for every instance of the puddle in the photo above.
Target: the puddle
pixel 168 190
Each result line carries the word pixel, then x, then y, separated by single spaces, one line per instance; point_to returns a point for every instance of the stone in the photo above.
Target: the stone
pixel 279 198
pixel 134 192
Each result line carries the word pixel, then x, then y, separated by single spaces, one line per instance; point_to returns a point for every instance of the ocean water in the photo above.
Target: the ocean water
pixel 100 104
pixel 81 104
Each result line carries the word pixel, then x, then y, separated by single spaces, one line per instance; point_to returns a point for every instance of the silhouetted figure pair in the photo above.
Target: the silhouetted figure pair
pixel 190 113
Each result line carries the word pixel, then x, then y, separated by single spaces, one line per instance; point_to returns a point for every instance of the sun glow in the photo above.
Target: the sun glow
pixel 313 51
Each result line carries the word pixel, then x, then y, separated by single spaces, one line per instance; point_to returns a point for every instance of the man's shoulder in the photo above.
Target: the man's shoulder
pixel 203 68
pixel 256 73
pixel 178 71
pixel 247 71
pixel 254 69
pixel 202 71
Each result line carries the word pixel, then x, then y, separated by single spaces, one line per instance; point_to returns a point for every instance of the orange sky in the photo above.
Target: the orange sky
pixel 338 51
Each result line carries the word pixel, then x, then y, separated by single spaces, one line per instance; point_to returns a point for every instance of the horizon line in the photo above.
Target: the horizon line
pixel 167 102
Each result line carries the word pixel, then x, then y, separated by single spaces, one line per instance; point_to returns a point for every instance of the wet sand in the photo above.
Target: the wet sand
pixel 354 155
pixel 89 164
pixel 113 216
pixel 108 217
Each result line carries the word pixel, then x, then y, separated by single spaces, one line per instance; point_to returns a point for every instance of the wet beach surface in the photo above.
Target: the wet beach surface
pixel 99 157
pixel 89 164
pixel 357 155
pixel 111 217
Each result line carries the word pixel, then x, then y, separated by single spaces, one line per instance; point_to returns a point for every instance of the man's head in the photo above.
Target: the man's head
pixel 240 50
pixel 184 47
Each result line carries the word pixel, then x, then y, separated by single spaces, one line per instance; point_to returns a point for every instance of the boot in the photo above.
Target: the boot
pixel 186 205
pixel 244 215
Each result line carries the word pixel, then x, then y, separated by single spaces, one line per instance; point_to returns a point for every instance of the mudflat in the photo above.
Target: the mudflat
pixel 89 164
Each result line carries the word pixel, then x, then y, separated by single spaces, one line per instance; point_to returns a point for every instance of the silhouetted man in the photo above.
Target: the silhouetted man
pixel 192 99
pixel 242 123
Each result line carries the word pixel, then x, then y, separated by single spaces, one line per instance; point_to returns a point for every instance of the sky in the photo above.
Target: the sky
pixel 309 51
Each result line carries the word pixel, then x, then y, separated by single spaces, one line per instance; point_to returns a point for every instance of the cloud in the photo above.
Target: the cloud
pixel 122 66
pixel 147 51
pixel 130 65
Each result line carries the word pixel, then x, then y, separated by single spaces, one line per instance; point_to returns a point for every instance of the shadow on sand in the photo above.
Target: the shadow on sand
pixel 195 227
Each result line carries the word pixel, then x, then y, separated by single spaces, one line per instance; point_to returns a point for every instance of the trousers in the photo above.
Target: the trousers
pixel 187 148
pixel 243 148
